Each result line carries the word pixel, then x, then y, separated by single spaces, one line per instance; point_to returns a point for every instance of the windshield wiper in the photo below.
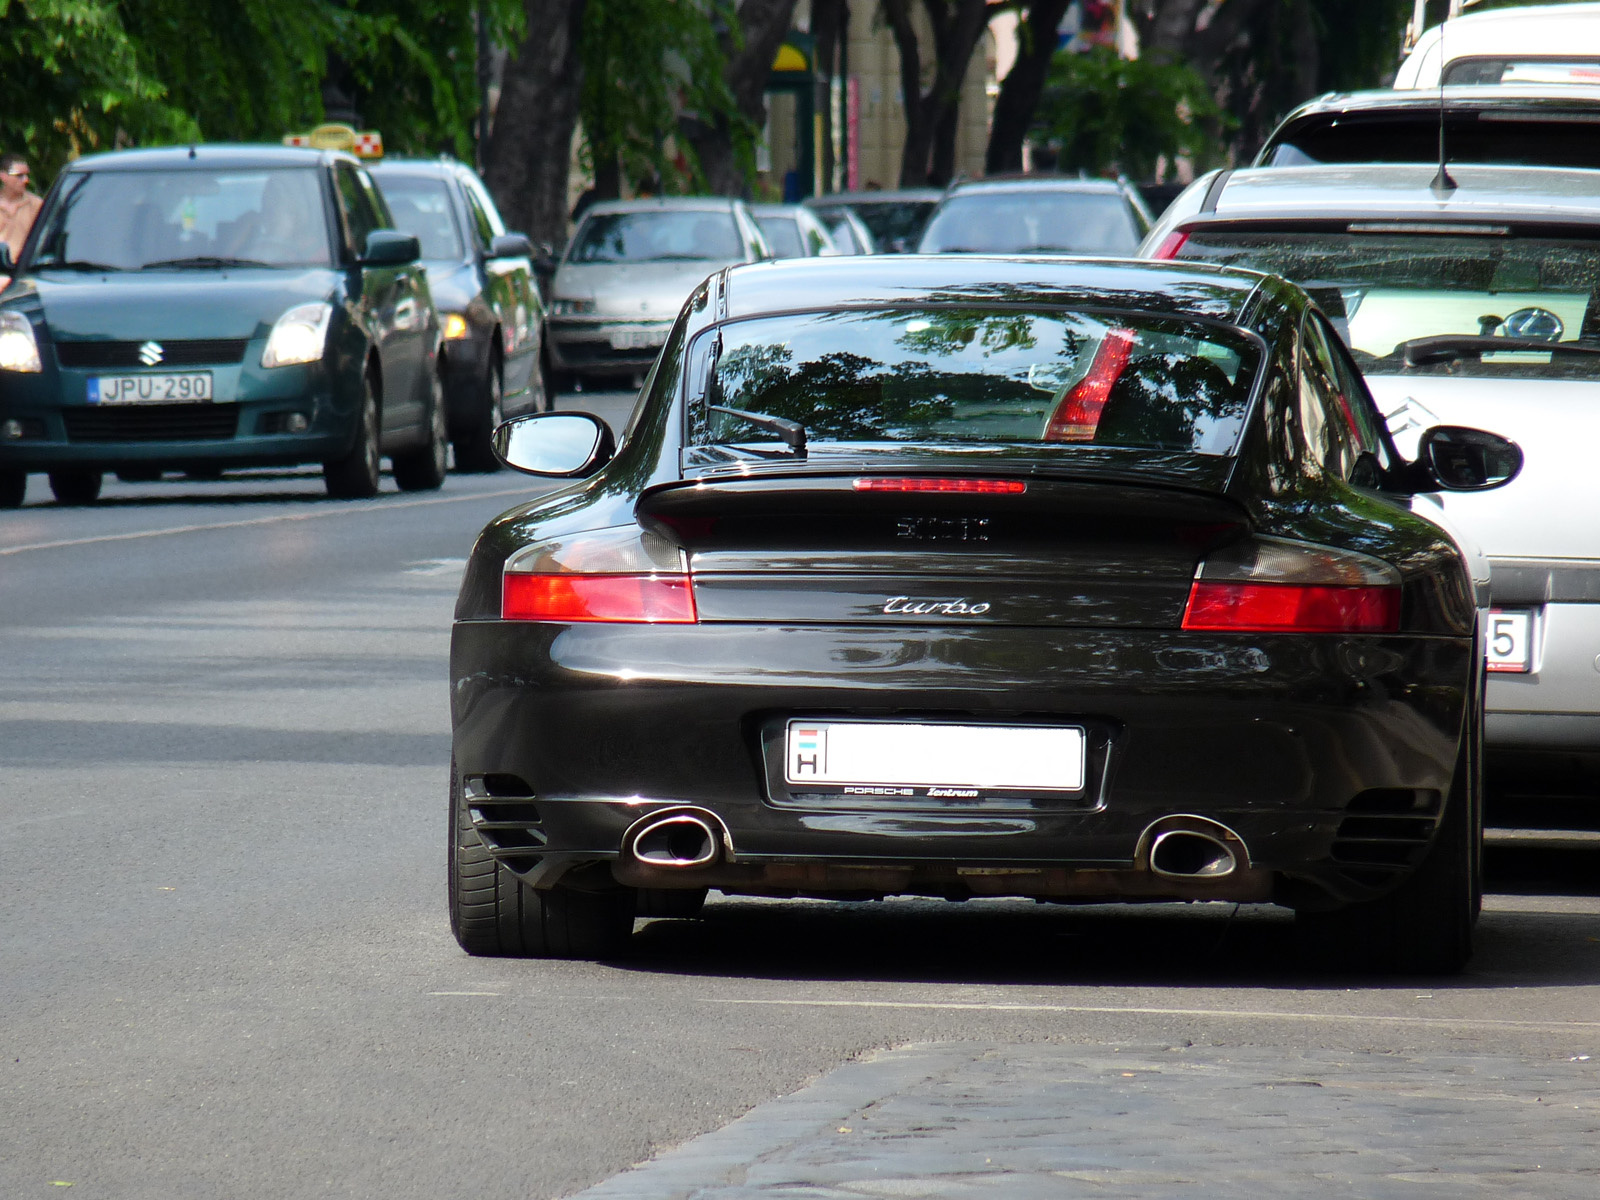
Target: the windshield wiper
pixel 73 264
pixel 792 432
pixel 204 260
pixel 1449 347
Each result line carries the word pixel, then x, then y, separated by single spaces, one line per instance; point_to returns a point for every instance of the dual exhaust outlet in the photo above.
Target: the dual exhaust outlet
pixel 1178 847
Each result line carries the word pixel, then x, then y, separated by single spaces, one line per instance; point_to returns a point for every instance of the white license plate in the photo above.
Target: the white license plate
pixel 881 758
pixel 638 339
pixel 1510 642
pixel 190 387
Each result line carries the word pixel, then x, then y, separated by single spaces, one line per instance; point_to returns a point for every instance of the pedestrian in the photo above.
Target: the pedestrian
pixel 18 206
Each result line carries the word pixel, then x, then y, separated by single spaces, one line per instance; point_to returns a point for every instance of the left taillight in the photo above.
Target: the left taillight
pixel 1270 585
pixel 619 574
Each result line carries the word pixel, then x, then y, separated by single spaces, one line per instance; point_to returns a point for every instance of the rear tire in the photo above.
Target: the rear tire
pixel 1423 927
pixel 355 476
pixel 475 450
pixel 424 469
pixel 13 488
pixel 493 913
pixel 76 485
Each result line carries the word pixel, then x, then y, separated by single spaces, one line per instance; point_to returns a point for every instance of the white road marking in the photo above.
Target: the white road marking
pixel 1138 1011
pixel 466 993
pixel 341 510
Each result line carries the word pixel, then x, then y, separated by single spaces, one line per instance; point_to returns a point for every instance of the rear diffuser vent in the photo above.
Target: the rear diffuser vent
pixel 507 820
pixel 1385 831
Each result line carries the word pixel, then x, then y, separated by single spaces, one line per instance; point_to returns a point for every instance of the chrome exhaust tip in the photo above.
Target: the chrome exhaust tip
pixel 1180 854
pixel 680 840
pixel 1191 847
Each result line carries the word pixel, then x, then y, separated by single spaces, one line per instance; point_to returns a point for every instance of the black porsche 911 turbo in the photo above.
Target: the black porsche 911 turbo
pixel 968 577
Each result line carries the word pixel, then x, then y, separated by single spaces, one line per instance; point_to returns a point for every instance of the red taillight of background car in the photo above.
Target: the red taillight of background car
pixel 1077 416
pixel 978 487
pixel 1291 608
pixel 1171 244
pixel 646 599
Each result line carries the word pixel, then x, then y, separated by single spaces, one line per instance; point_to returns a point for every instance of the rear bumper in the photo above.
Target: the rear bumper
pixel 586 345
pixel 595 726
pixel 1555 707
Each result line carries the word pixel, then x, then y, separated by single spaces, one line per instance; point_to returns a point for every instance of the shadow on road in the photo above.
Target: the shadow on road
pixel 1552 944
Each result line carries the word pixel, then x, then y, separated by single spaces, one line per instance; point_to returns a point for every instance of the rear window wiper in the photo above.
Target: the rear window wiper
pixel 1452 346
pixel 204 260
pixel 792 432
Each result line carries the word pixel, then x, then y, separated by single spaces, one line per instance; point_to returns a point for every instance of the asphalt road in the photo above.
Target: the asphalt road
pixel 225 966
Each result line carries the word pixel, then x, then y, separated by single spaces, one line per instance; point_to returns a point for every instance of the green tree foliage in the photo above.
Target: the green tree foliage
pixel 643 61
pixel 1105 114
pixel 73 80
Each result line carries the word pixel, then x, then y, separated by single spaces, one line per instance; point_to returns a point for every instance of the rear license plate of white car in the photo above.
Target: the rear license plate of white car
pixel 1510 641
pixel 642 339
pixel 190 387
pixel 884 758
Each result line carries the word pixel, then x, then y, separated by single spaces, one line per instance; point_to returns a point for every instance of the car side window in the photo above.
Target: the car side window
pixel 814 239
pixel 375 201
pixel 360 218
pixel 1369 421
pixel 1328 424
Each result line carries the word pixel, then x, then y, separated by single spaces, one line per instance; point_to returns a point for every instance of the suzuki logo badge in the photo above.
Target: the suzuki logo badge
pixel 151 353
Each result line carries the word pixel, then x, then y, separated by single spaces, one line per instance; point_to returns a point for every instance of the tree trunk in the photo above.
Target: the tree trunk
pixel 763 24
pixel 1023 85
pixel 960 42
pixel 932 117
pixel 829 25
pixel 530 145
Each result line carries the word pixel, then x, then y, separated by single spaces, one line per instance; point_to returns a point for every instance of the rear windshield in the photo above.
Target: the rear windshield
pixel 1032 223
pixel 1539 141
pixel 1383 290
pixel 421 207
pixel 657 237
pixel 1523 69
pixel 128 220
pixel 943 375
pixel 892 221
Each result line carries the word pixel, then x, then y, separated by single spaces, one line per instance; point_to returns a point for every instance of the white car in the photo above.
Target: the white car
pixel 1477 306
pixel 1546 43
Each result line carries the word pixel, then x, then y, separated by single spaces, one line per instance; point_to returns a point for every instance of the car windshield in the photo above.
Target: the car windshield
pixel 127 220
pixel 890 221
pixel 783 236
pixel 684 235
pixel 421 207
pixel 1385 289
pixel 1041 222
pixel 939 375
pixel 1520 139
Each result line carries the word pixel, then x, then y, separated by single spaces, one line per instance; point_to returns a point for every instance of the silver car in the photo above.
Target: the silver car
pixel 1475 305
pixel 793 231
pixel 627 271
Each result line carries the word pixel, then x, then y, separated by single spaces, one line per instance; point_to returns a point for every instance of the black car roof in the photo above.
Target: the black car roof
pixel 204 154
pixel 798 285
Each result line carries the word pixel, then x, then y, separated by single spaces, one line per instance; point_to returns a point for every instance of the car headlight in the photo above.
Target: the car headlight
pixel 19 349
pixel 455 327
pixel 566 308
pixel 300 336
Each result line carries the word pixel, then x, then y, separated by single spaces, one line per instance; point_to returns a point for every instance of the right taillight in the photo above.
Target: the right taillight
pixel 1270 585
pixel 620 574
pixel 1171 244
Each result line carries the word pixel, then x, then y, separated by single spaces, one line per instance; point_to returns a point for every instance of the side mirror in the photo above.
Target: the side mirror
pixel 567 445
pixel 1456 459
pixel 511 245
pixel 389 248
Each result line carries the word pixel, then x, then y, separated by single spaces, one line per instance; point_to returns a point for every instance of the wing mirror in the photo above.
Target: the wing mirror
pixel 511 245
pixel 1452 458
pixel 567 445
pixel 390 248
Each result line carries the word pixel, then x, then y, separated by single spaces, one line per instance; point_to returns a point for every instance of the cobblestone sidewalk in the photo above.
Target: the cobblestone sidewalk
pixel 950 1121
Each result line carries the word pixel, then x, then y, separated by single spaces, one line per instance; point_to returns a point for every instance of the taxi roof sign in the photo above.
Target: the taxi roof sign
pixel 367 144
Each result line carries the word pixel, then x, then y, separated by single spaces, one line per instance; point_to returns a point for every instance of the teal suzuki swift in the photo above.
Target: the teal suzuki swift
pixel 207 307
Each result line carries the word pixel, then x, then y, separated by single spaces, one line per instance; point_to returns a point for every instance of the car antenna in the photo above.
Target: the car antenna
pixel 1442 184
